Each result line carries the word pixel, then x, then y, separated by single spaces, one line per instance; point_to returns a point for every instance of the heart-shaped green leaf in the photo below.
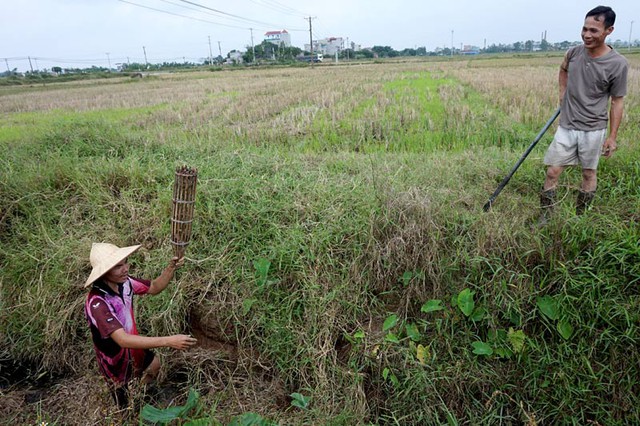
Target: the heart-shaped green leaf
pixel 465 301
pixel 431 306
pixel 390 337
pixel 548 306
pixel 565 329
pixel 390 322
pixel 482 348
pixel 412 332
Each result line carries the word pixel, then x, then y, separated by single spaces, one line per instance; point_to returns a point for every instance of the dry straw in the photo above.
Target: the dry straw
pixel 184 198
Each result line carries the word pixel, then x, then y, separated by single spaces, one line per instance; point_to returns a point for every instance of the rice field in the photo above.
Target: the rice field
pixel 341 269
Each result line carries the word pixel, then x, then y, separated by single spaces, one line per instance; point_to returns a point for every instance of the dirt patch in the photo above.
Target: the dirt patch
pixel 228 376
pixel 211 339
pixel 71 401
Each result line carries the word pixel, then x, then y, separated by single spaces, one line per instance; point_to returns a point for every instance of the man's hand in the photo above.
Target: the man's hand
pixel 176 262
pixel 160 283
pixel 609 146
pixel 180 341
pixel 134 341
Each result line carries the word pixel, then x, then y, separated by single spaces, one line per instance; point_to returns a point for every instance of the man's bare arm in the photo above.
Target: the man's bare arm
pixel 615 118
pixel 563 76
pixel 133 341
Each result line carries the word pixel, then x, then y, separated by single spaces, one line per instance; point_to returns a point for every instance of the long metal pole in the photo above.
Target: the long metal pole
pixel 310 41
pixel 505 181
pixel 253 48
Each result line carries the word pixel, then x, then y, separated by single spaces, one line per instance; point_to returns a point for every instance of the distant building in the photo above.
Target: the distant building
pixel 234 57
pixel 470 50
pixel 278 38
pixel 327 46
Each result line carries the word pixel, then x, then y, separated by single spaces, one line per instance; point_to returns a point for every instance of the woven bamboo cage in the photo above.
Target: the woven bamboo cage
pixel 184 198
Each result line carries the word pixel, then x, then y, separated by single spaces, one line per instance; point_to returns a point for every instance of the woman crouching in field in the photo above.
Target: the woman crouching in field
pixel 122 353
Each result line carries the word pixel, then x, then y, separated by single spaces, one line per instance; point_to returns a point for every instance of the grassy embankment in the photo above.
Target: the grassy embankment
pixel 335 206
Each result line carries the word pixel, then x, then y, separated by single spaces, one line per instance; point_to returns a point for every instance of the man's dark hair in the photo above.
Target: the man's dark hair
pixel 603 12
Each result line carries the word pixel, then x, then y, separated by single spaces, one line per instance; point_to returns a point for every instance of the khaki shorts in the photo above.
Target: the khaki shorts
pixel 573 147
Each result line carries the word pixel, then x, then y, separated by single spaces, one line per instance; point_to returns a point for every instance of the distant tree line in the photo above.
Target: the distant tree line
pixel 268 52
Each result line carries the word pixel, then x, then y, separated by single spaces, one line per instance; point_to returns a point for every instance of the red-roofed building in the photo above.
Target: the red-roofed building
pixel 278 37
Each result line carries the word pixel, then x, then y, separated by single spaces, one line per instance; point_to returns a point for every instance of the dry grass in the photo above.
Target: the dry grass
pixel 340 228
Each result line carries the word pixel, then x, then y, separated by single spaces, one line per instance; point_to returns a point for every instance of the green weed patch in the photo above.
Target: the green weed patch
pixel 341 269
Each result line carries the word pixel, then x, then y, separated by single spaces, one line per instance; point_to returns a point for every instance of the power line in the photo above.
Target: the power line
pixel 182 16
pixel 202 11
pixel 266 26
pixel 278 7
pixel 230 14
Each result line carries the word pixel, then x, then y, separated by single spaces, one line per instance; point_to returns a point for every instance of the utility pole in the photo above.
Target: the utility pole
pixel 310 39
pixel 219 48
pixel 451 43
pixel 7 62
pixel 253 48
pixel 348 48
pixel 630 31
pixel 146 63
pixel 30 65
pixel 210 54
pixel 109 61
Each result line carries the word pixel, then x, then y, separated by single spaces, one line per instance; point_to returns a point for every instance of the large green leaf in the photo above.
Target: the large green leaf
pixel 261 266
pixel 478 314
pixel 250 419
pixel 390 337
pixel 565 329
pixel 465 301
pixel 412 332
pixel 161 416
pixel 192 401
pixel 390 322
pixel 359 335
pixel 517 339
pixel 299 400
pixel 548 306
pixel 503 352
pixel 406 278
pixel 422 354
pixel 432 305
pixel 482 348
pixel 166 415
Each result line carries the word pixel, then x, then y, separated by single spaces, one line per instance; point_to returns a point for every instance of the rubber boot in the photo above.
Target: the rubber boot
pixel 583 201
pixel 547 205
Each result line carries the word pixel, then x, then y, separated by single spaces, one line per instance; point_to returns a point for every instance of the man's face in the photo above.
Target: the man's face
pixel 119 273
pixel 594 32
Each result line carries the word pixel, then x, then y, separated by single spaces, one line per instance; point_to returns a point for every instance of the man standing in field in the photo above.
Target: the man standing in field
pixel 122 353
pixel 589 76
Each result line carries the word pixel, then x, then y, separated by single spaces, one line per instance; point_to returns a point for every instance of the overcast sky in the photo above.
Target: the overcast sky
pixel 81 33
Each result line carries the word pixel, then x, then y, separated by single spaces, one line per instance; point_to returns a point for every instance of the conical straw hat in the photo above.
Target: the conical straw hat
pixel 105 256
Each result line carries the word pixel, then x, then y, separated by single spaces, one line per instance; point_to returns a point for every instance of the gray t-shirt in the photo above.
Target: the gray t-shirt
pixel 590 84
